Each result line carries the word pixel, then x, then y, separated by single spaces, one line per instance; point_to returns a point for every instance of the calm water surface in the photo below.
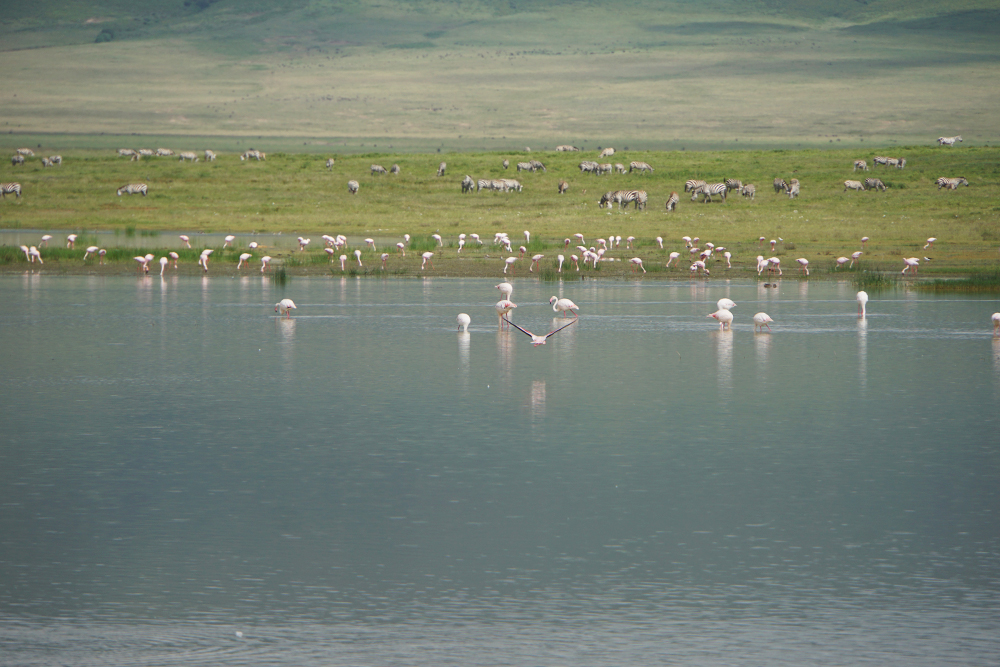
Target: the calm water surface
pixel 363 485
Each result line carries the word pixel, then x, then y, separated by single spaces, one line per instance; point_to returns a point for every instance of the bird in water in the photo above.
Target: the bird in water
pixel 506 289
pixel 760 320
pixel 503 307
pixel 540 340
pixel 564 306
pixel 996 324
pixel 726 304
pixel 244 258
pixel 463 322
pixel 285 307
pixel 862 304
pixel 724 317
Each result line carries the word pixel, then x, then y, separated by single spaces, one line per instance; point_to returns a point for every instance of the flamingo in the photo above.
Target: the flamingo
pixel 804 264
pixel 402 248
pixel 637 263
pixel 303 243
pixel 461 244
pixel 673 256
pixel 604 244
pixel 729 257
pixel 522 250
pixel 534 262
pixel 264 261
pixel 659 242
pixel 575 260
pixel 760 242
pixel 406 238
pixel 628 243
pixel 540 340
pixel 773 243
pixel 506 289
pixel 930 243
pixel 864 240
pixel 163 264
pixel 71 241
pixel 357 256
pixel 27 252
pixel 726 304
pixel 760 320
pixel 343 259
pixel 564 305
pixel 370 243
pixel 775 265
pixel 174 256
pixel 579 237
pixel 527 236
pixel 854 257
pixel 711 246
pixel 475 237
pixel 45 240
pixel 910 262
pixel 687 241
pixel 34 254
pixel 503 306
pixel 186 240
pixel 463 322
pixel 840 262
pixel 566 243
pixel 996 323
pixel 509 264
pixel 142 264
pixel 285 307
pixel 101 253
pixel 252 245
pixel 90 250
pixel 560 259
pixel 203 260
pixel 385 258
pixel 724 317
pixel 699 266
pixel 761 264
pixel 862 304
pixel 427 260
pixel 329 252
pixel 437 237
pixel 228 241
pixel 244 257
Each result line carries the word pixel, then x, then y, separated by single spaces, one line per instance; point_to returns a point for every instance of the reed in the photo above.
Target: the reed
pixel 983 281
pixel 874 280
pixel 279 276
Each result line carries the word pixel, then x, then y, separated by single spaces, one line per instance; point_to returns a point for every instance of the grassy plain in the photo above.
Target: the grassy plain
pixel 295 194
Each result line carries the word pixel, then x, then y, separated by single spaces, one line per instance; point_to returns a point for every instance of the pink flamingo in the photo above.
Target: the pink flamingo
pixel 560 259
pixel 90 250
pixel 285 307
pixel 575 260
pixel 402 248
pixel 343 259
pixel 509 264
pixel 724 317
pixel 264 262
pixel 428 257
pixel 910 262
pixel 534 262
pixel 930 243
pixel 637 263
pixel 163 264
pixel 357 256
pixel 503 307
pixel 761 320
pixel 564 306
pixel 804 265
pixel 385 258
pixel 244 257
pixel 729 256
pixel 506 289
pixel 174 256
pixel 540 340
pixel 673 256
pixel 186 240
pixel 862 304
pixel 228 241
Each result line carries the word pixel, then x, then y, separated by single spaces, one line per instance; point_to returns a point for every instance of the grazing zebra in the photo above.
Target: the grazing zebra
pixel 793 188
pixel 563 185
pixel 619 167
pixel 352 187
pixel 164 152
pixel 378 169
pixel 508 184
pixel 624 198
pixel 605 168
pixel 394 169
pixel 132 189
pixel 26 152
pixel 854 185
pixel 441 168
pixel 10 189
pixel 329 163
pixel 713 189
pixel 506 163
pixel 692 185
pixel 734 184
pixel 209 156
pixel 860 165
pixel 889 161
pixel 538 166
pixel 467 184
pixel 607 152
pixel 780 185
pixel 748 191
pixel 126 152
pixel 144 152
pixel 484 184
pixel 187 156
pixel 257 155
pixel 589 165
pixel 46 162
pixel 16 160
pixel 566 148
pixel 639 166
pixel 948 141
pixel 874 184
pixel 672 201
pixel 951 183
pixel 524 166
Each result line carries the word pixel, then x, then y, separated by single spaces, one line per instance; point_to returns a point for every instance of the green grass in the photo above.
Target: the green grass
pixel 980 281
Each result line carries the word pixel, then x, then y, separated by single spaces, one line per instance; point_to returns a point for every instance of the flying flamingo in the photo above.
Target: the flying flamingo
pixel 463 322
pixel 563 305
pixel 90 250
pixel 724 317
pixel 637 263
pixel 174 256
pixel 34 254
pixel 385 258
pixel 760 320
pixel 264 261
pixel 357 256
pixel 862 304
pixel 930 243
pixel 726 304
pixel 509 264
pixel 804 264
pixel 910 262
pixel 673 256
pixel 534 262
pixel 343 259
pixel 285 307
pixel 996 323
pixel 427 260
pixel 540 340
pixel 71 241
pixel 163 264
pixel 503 306
pixel 854 257
pixel 186 240
pixel 560 259
pixel 244 257
pixel 228 241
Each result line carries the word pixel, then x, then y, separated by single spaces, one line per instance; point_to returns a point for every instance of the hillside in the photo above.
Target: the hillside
pixel 484 75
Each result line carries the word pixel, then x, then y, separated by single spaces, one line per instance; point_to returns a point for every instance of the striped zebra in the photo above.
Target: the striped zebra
pixel 133 189
pixel 329 163
pixel 509 184
pixel 734 184
pixel 793 188
pixel 951 183
pixel 524 166
pixel 860 165
pixel 484 184
pixel 619 167
pixel 467 184
pixel 441 168
pixel 854 185
pixel 693 185
pixel 144 152
pixel 563 149
pixel 563 186
pixel 394 169
pixel 46 162
pixel 352 187
pixel 605 168
pixel 607 152
pixel 55 159
pixel 378 169
pixel 187 156
pixel 874 184
pixel 209 156
pixel 257 155
pixel 780 185
pixel 749 191
pixel 639 166
pixel 719 189
pixel 589 166
pixel 889 161
pixel 16 160
pixel 538 166
pixel 948 141
pixel 672 201
pixel 26 152
pixel 10 189
pixel 624 198
pixel 126 152
pixel 164 152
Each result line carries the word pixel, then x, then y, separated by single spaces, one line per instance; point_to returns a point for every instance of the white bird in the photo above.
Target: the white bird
pixel 854 257
pixel 760 242
pixel 760 320
pixel 244 257
pixel 437 237
pixel 264 261
pixel 729 257
pixel 534 262
pixel 186 240
pixel 864 240
pixel 773 243
pixel 775 265
pixel 687 241
pixel 174 256
pixel 527 236
pixel 406 238
pixel 45 240
pixel 575 260
pixel 252 245
pixel 726 304
pixel 509 264
pixel 506 289
pixel 540 340
pixel 804 263
pixel 428 256
pixel 163 264
pixel 71 241
pixel 996 323
pixel 142 264
pixel 628 243
pixel 930 243
pixel 560 259
pixel 841 261
pixel 761 264
pixel 673 256
pixel 228 241
pixel 522 250
pixel 659 242
pixel 303 243
pixel 475 237
pixel 910 262
pixel 862 303
pixel 461 244
pixel 27 252
pixel 35 254
pixel 285 307
pixel 637 263
pixel 329 252
pixel 579 237
pixel 503 306
pixel 724 317
pixel 385 258
pixel 343 259
pixel 357 256
pixel 101 253
pixel 564 306
pixel 90 250
pixel 203 259
pixel 402 248
pixel 463 321
pixel 370 243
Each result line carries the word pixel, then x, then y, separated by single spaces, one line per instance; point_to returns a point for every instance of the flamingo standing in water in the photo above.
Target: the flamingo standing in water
pixel 726 303
pixel 142 264
pixel 163 264
pixel 428 256
pixel 357 256
pixel 244 257
pixel 862 304
pixel 564 306
pixel 264 261
pixel 203 260
pixel 560 259
pixel 760 320
pixel 343 260
pixel 35 254
pixel 506 289
pixel 463 322
pixel 540 340
pixel 996 323
pixel 724 317
pixel 729 259
pixel 285 307
pixel 503 307
pixel 186 240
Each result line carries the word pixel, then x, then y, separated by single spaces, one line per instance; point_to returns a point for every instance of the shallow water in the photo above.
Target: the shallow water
pixel 361 484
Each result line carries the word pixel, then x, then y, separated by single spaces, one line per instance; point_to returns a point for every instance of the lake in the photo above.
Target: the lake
pixel 188 479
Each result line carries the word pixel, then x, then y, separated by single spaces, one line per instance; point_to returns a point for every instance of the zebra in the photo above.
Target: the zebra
pixel 378 169
pixel 748 191
pixel 793 188
pixel 509 184
pixel 506 163
pixel 860 165
pixel 329 163
pixel 734 184
pixel 394 169
pixel 562 149
pixel 563 185
pixel 257 155
pixel 607 152
pixel 605 168
pixel 895 162
pixel 855 185
pixel 780 185
pixel 524 166
pixel 624 198
pixel 951 183
pixel 26 152
pixel 126 152
pixel 484 184
pixel 164 152
pixel 132 189
pixel 352 187
pixel 55 159
pixel 692 185
pixel 538 166
pixel 144 152
pixel 187 156
pixel 874 184
pixel 589 165
pixel 672 201
pixel 948 141
pixel 441 168
pixel 713 189
pixel 46 162
pixel 16 160
pixel 639 166
pixel 467 184
pixel 209 156
pixel 619 167
pixel 10 189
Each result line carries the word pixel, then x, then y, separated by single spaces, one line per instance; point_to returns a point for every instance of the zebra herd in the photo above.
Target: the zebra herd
pixel 495 184
pixel 868 184
pixel 18 158
pixel 186 156
pixel 623 198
